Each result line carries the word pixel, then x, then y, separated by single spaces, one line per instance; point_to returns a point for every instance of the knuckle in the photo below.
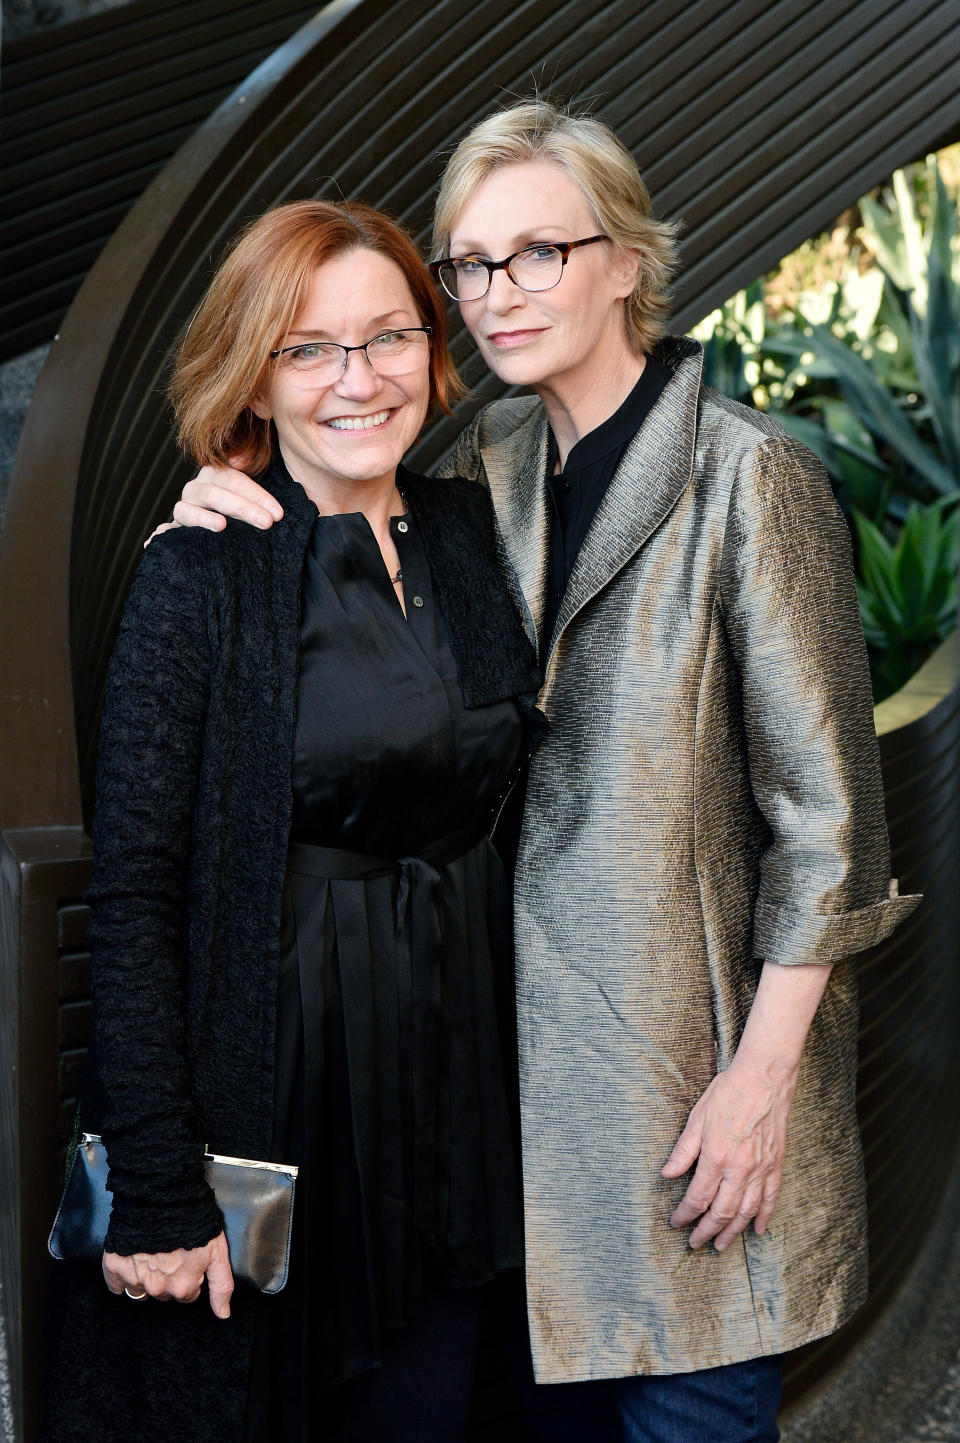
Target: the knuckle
pixel 737 1171
pixel 711 1170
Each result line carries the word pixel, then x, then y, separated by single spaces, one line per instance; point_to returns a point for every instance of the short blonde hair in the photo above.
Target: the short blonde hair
pixel 254 299
pixel 591 154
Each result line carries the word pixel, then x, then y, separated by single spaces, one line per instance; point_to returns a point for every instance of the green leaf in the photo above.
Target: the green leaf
pixel 910 574
pixel 843 422
pixel 878 568
pixel 937 332
pixel 912 241
pixel 886 236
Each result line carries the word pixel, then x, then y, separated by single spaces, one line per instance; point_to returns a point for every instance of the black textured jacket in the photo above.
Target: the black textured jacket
pixel 193 818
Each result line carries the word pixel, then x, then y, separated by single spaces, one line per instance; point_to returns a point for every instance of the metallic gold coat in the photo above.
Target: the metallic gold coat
pixel 709 795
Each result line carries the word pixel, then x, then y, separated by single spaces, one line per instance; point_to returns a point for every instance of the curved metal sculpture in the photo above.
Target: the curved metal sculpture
pixel 754 121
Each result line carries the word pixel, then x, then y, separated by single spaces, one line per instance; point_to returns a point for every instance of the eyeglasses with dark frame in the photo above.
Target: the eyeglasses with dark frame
pixel 389 353
pixel 534 268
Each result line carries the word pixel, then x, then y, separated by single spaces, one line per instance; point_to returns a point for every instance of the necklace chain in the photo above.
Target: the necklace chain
pixel 403 501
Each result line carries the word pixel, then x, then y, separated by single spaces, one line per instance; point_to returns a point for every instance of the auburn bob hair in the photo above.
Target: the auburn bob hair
pixel 252 304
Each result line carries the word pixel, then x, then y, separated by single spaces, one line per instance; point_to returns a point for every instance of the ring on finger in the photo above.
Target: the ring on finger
pixel 137 1297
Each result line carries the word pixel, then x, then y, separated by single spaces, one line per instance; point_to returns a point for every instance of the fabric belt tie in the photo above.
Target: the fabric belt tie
pixel 419 986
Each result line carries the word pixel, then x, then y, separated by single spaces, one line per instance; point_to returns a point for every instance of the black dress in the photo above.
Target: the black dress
pixel 394 1027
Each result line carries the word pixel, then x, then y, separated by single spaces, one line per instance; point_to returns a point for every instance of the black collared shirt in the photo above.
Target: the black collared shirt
pixel 576 492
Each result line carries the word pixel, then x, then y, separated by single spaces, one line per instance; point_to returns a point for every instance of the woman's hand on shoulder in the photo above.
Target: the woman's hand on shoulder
pixel 175 1277
pixel 218 492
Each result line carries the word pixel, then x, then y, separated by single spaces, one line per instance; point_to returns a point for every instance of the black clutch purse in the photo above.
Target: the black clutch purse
pixel 256 1199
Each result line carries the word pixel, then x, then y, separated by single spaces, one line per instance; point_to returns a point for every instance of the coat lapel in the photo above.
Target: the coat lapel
pixel 655 468
pixel 515 467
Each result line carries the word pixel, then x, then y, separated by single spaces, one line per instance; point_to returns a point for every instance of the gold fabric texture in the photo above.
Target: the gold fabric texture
pixel 709 794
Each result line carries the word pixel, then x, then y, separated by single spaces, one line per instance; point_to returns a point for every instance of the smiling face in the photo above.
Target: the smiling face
pixel 559 338
pixel 355 430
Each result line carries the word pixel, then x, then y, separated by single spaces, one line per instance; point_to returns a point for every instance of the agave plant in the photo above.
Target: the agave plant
pixel 923 299
pixel 905 395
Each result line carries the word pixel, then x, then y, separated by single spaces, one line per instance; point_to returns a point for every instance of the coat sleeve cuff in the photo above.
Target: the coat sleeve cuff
pixel 163 1230
pixel 790 936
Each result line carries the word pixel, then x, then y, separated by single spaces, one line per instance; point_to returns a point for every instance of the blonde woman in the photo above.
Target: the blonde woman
pixel 702 847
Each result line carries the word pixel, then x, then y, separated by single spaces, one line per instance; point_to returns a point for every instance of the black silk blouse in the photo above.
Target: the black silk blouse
pixel 395 991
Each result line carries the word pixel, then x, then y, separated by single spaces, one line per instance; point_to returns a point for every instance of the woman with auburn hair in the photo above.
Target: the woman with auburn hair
pixel 702 848
pixel 300 934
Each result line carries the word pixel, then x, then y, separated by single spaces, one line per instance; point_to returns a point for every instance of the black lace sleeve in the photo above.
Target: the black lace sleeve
pixel 151 743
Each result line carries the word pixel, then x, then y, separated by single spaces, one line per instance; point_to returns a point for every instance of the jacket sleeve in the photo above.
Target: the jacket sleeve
pixel 151 737
pixel 793 624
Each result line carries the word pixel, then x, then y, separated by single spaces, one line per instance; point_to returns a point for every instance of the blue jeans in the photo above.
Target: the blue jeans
pixel 733 1404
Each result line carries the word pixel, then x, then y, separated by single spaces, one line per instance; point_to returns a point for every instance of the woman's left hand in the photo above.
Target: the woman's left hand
pixel 175 1277
pixel 738 1131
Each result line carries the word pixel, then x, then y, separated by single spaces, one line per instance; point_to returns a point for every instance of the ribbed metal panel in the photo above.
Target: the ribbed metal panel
pixel 91 111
